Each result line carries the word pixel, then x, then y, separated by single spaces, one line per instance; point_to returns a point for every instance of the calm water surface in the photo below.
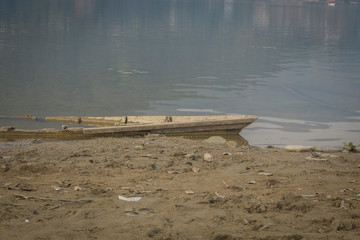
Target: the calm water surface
pixel 294 63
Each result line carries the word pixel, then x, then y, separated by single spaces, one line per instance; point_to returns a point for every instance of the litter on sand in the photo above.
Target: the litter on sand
pixel 131 199
pixel 266 174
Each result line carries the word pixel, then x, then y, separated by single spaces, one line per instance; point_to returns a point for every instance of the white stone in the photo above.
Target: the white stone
pixel 208 157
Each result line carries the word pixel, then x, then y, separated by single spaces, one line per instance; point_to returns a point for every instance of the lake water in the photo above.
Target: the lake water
pixel 294 63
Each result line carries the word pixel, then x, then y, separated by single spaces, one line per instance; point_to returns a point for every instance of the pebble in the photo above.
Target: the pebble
pixel 208 157
pixel 299 148
pixel 37 141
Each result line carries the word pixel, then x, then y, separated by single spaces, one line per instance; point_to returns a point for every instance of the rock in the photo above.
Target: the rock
pixel 232 144
pixel 215 139
pixel 7 129
pixel 4 168
pixel 298 148
pixel 208 157
pixel 37 141
pixel 190 155
pixel 227 153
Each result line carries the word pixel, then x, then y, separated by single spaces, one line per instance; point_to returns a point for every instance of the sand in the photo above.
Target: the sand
pixel 71 189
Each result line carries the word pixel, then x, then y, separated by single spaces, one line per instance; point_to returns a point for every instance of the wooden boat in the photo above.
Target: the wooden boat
pixel 141 125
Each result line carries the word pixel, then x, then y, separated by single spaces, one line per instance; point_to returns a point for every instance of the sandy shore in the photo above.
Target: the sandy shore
pixel 71 189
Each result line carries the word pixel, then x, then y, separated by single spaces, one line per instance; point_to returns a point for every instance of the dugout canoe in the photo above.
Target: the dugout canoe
pixel 160 124
pixel 141 125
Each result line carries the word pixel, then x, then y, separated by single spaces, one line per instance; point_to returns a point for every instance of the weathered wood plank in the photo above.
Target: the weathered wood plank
pixel 69 119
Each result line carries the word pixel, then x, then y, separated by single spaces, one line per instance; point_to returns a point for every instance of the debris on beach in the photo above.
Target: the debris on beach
pixel 316 159
pixel 219 196
pixel 190 192
pixel 195 169
pixel 265 174
pixel 130 199
pixel 56 188
pixel 77 188
pixel 308 196
pixel 122 188
pixel 298 148
pixel 318 156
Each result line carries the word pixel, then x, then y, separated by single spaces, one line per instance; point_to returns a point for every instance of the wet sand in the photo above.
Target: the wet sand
pixel 71 189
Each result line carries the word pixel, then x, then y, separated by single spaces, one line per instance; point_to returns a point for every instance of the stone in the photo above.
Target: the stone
pixel 7 129
pixel 299 148
pixel 232 144
pixel 208 157
pixel 215 139
pixel 4 168
pixel 37 141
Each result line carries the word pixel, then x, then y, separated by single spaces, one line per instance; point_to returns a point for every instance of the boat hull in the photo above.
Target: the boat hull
pixel 137 125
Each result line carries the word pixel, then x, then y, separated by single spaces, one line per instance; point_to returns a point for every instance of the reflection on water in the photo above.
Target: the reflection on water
pixel 284 59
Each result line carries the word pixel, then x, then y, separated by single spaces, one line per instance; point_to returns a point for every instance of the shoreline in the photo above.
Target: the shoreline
pixel 175 188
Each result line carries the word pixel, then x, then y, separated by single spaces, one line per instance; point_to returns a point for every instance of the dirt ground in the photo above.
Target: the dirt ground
pixel 71 189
